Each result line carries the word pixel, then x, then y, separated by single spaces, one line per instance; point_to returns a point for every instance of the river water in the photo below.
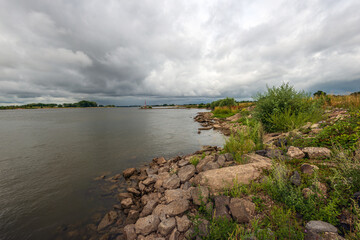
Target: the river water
pixel 49 158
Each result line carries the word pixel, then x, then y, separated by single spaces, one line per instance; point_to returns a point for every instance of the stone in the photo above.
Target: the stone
pixel 187 172
pixel 124 195
pixel 273 153
pixel 133 215
pixel 317 152
pixel 320 227
pixel 307 192
pixel 133 190
pixel 229 157
pixel 183 162
pixel 129 172
pixel 174 194
pixel 308 168
pixel 148 208
pixel 166 226
pixel 294 152
pixel 130 232
pixel 174 235
pixel 222 207
pixel 183 223
pixel 172 182
pixel 174 208
pixel 219 179
pixel 295 178
pixel 149 181
pixel 160 160
pixel 320 187
pixel 210 165
pixel 203 227
pixel 150 196
pixel 151 171
pixel 242 210
pixel 147 224
pixel 199 194
pixel 203 162
pixel 107 220
pixel 127 202
pixel 221 160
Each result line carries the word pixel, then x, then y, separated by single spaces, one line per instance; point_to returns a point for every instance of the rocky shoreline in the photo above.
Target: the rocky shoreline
pixel 162 199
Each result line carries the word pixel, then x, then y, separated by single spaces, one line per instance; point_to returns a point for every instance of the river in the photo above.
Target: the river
pixel 49 158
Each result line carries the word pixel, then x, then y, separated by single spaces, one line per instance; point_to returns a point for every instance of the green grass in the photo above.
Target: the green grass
pixel 194 160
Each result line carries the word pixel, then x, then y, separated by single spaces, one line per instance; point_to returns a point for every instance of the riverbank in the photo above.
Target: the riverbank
pixel 211 195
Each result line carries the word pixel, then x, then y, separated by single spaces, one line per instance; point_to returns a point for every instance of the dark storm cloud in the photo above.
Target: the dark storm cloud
pixel 122 52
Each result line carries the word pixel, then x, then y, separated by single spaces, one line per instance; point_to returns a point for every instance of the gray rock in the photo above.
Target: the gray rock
pixel 183 162
pixel 221 160
pixel 130 232
pixel 229 157
pixel 146 225
pixel 203 162
pixel 294 152
pixel 174 208
pixel 274 153
pixel 148 208
pixel 166 226
pixel 295 178
pixel 210 165
pixel 317 152
pixel 186 186
pixel 203 227
pixel 320 227
pixel 222 207
pixel 183 223
pixel 174 235
pixel 151 171
pixel 199 194
pixel 187 172
pixel 174 194
pixel 172 182
pixel 242 210
pixel 308 169
pixel 107 220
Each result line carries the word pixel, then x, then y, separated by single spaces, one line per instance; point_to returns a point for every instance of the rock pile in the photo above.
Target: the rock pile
pixel 166 192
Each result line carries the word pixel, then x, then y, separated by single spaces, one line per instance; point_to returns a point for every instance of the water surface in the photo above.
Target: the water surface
pixel 49 158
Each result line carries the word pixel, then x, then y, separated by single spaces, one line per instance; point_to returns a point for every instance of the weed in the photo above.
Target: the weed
pixel 194 160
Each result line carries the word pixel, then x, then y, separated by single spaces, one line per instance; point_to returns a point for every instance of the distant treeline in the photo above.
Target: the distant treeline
pixel 81 104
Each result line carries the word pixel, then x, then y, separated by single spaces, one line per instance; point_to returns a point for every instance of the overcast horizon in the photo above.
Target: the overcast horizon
pixel 125 52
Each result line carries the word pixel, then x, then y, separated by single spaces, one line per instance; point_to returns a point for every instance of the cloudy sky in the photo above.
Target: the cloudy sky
pixel 123 52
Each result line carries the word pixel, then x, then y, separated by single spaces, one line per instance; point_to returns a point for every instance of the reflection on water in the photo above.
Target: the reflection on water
pixel 49 158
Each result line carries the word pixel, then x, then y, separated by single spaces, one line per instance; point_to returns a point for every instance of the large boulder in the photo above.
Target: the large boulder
pixel 146 225
pixel 174 208
pixel 219 179
pixel 319 230
pixel 317 152
pixel 187 172
pixel 294 152
pixel 241 209
pixel 107 220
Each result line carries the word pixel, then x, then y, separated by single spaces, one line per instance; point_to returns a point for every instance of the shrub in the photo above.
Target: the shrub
pixel 227 102
pixel 283 108
pixel 247 139
pixel 224 112
pixel 194 161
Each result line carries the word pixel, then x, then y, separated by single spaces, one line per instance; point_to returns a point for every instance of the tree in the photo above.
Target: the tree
pixel 319 93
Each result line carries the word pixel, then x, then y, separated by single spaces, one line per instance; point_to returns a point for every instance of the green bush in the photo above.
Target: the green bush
pixel 227 102
pixel 283 108
pixel 248 139
pixel 194 160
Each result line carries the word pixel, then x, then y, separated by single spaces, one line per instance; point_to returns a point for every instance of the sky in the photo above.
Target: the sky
pixel 163 51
